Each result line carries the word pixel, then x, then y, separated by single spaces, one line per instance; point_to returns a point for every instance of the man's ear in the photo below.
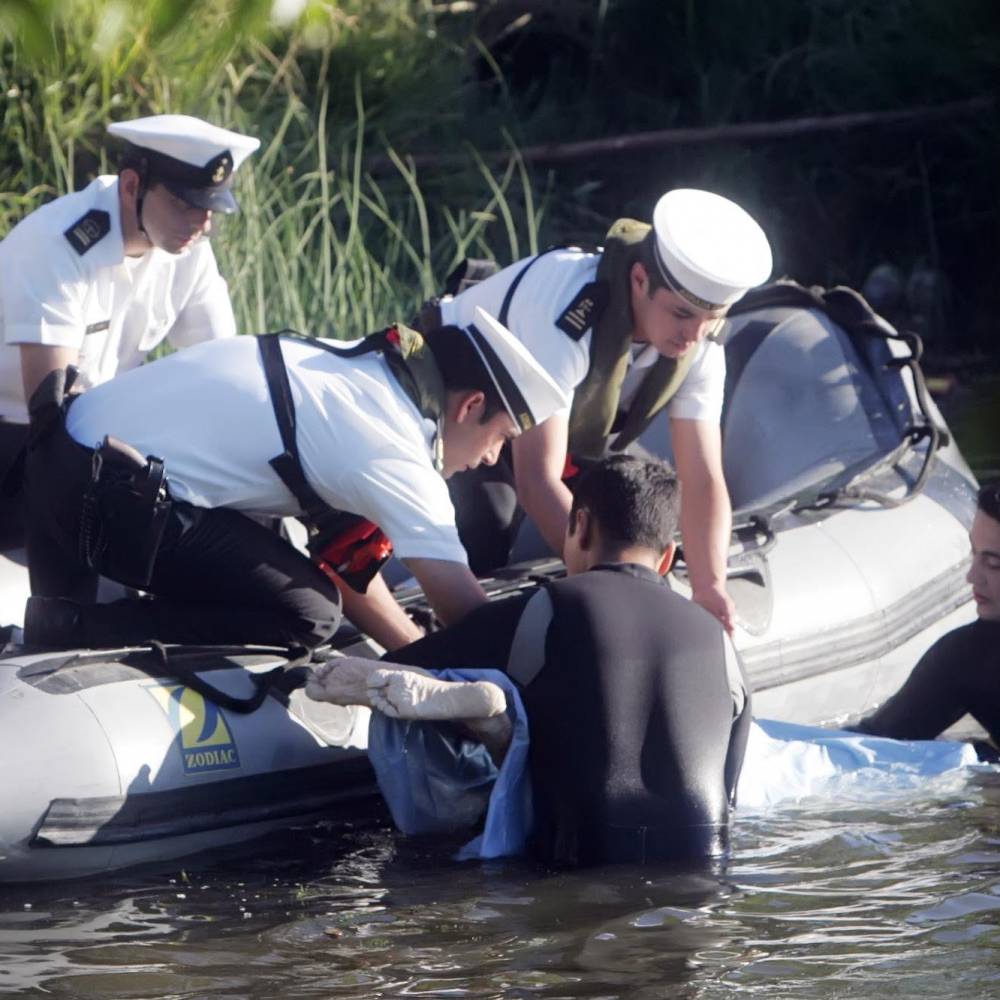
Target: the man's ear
pixel 584 529
pixel 469 405
pixel 129 184
pixel 667 559
pixel 638 277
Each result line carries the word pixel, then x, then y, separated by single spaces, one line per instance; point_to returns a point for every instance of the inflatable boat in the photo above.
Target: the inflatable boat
pixel 852 507
pixel 852 503
pixel 121 757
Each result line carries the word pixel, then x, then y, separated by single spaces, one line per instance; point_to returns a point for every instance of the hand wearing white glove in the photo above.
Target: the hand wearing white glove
pixel 343 680
pixel 405 694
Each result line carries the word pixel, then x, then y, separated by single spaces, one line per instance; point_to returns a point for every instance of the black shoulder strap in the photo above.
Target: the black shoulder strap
pixel 508 298
pixel 287 465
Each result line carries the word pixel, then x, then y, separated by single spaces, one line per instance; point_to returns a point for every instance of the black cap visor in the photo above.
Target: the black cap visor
pixel 215 199
pixel 206 186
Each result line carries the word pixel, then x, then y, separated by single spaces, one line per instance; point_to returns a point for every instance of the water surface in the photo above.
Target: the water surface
pixel 822 899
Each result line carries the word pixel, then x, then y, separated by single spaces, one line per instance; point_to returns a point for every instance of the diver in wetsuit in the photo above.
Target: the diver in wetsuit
pixel 636 701
pixel 960 673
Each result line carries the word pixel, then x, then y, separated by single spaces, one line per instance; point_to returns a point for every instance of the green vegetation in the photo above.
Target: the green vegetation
pixel 340 232
pixel 319 244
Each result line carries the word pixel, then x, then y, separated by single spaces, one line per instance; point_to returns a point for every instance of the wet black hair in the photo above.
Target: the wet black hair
pixel 635 501
pixel 132 158
pixel 988 499
pixel 462 368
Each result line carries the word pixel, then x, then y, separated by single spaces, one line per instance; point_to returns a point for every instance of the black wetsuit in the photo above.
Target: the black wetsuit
pixel 958 675
pixel 637 736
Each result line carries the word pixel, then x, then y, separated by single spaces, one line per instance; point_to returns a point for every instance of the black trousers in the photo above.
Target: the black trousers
pixel 218 578
pixel 12 439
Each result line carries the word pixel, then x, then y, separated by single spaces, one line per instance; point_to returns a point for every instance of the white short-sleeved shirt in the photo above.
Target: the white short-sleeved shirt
pixel 114 309
pixel 543 294
pixel 207 413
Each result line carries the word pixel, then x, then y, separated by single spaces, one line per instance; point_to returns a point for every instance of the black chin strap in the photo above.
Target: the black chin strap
pixel 143 172
pixel 138 209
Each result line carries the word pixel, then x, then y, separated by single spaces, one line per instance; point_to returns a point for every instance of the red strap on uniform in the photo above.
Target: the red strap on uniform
pixel 356 554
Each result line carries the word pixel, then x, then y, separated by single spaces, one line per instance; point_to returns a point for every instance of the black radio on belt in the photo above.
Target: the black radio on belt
pixel 124 513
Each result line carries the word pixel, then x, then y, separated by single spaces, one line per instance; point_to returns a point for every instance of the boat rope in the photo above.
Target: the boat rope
pixel 283 678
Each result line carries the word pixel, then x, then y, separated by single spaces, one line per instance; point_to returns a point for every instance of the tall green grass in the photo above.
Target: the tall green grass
pixel 323 246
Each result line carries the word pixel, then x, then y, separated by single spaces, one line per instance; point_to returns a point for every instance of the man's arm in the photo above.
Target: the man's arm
pixel 377 613
pixel 539 461
pixel 706 513
pixel 481 640
pixel 931 699
pixel 955 677
pixel 450 587
pixel 37 360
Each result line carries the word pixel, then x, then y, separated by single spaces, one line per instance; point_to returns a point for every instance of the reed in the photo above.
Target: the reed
pixel 325 244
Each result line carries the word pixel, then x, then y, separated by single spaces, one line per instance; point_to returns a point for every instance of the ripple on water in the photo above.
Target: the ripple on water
pixel 841 900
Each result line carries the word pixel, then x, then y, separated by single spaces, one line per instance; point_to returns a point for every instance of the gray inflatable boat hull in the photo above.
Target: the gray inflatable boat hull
pixel 110 767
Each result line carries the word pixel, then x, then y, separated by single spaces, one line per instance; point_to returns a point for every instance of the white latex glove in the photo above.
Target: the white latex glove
pixel 404 694
pixel 343 680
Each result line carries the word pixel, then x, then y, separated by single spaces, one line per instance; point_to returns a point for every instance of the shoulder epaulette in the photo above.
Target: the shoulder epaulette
pixel 88 230
pixel 587 305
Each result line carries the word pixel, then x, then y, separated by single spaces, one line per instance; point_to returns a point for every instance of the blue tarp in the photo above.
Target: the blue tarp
pixel 434 781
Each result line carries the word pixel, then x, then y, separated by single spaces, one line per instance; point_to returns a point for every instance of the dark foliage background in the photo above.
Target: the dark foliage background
pixel 335 86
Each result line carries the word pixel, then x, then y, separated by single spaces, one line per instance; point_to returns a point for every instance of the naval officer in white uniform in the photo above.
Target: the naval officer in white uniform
pixel 625 331
pixel 100 277
pixel 376 431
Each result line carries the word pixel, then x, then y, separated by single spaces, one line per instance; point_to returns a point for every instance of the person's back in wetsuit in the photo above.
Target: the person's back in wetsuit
pixel 636 738
pixel 637 708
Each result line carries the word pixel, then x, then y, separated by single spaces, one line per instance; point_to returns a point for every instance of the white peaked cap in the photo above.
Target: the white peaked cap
pixel 194 159
pixel 528 392
pixel 709 250
pixel 188 139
